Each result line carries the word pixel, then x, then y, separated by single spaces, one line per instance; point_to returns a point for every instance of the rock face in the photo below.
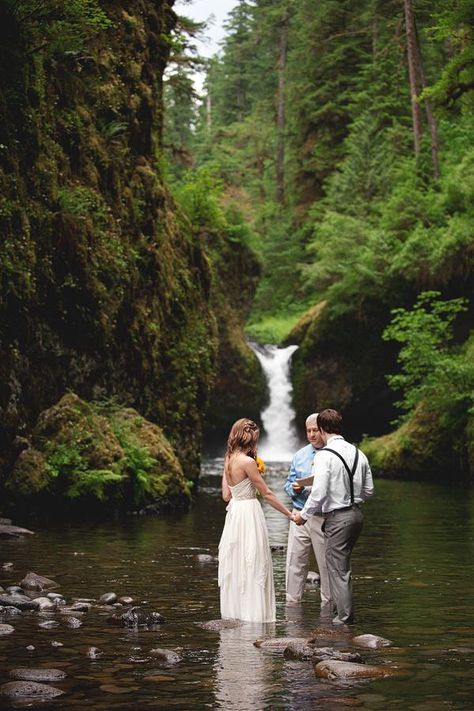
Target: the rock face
pixel 104 292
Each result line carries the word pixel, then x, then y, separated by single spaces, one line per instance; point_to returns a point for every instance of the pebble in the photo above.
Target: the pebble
pixel 6 629
pixel 126 600
pixel 168 656
pixel 73 622
pixel 94 652
pixel 205 558
pixel 56 644
pixel 371 641
pixel 44 603
pixel 48 624
pixel 31 648
pixel 312 578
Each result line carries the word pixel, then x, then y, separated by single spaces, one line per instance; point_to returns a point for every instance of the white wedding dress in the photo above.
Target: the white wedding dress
pixel 245 563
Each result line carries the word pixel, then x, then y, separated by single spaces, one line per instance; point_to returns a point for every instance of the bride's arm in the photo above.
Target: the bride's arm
pixel 258 481
pixel 226 492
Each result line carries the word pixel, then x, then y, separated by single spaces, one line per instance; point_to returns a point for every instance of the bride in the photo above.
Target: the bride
pixel 245 564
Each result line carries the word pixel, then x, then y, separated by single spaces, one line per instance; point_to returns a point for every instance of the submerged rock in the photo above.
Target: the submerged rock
pixel 13 589
pixel 306 651
pixel 312 578
pixel 168 656
pixel 22 602
pixel 217 625
pixel 31 674
pixel 371 641
pixel 278 644
pixel 108 598
pixel 33 581
pixel 30 690
pixel 9 531
pixel 137 617
pixel 6 629
pixel 335 669
pixel 44 603
pixel 206 558
pixel 94 653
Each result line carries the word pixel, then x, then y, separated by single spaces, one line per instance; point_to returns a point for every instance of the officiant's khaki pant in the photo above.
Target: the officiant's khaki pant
pixel 301 539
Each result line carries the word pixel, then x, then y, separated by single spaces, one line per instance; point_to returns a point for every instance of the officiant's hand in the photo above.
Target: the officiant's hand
pixel 298 519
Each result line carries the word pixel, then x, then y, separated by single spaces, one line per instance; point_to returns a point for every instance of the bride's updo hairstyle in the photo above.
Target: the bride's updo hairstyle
pixel 243 437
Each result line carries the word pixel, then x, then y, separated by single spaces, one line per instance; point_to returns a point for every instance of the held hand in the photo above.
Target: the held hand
pixel 298 519
pixel 297 488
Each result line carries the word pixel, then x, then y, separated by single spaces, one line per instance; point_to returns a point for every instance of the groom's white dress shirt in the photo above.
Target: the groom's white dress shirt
pixel 331 488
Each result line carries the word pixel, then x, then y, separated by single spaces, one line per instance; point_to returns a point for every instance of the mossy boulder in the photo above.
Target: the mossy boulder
pixel 85 452
pixel 420 448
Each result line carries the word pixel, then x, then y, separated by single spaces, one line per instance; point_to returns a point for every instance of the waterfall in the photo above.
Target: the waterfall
pixel 279 440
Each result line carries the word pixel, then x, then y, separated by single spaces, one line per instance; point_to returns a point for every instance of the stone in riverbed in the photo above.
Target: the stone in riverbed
pixel 217 625
pixel 277 548
pixel 22 602
pixel 126 600
pixel 14 590
pixel 73 622
pixel 6 629
pixel 304 650
pixel 9 611
pixel 33 581
pixel 335 669
pixel 31 674
pixel 48 624
pixel 137 617
pixel 312 578
pixel 7 567
pixel 168 656
pixel 80 607
pixel 278 644
pixel 29 690
pixel 205 558
pixel 44 603
pixel 8 531
pixel 108 598
pixel 94 652
pixel 371 641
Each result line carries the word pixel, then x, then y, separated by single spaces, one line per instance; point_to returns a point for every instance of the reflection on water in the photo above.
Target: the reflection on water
pixel 413 572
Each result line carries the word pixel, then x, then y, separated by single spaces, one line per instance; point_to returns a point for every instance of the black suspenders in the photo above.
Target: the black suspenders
pixel 350 472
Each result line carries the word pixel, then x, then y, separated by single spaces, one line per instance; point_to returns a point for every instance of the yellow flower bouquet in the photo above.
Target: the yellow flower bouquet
pixel 260 465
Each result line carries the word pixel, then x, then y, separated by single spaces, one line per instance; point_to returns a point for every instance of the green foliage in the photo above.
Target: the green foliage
pixel 199 195
pixel 430 370
pixel 58 26
pixel 81 201
pixel 66 460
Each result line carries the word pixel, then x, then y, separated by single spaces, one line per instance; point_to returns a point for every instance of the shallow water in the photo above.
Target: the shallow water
pixel 413 583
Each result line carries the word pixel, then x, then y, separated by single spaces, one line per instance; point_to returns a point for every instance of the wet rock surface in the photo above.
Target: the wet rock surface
pixel 6 629
pixel 279 644
pixel 29 690
pixel 167 656
pixel 33 581
pixel 335 669
pixel 9 531
pixel 217 625
pixel 22 602
pixel 137 617
pixel 306 651
pixel 109 598
pixel 371 641
pixel 206 558
pixel 32 674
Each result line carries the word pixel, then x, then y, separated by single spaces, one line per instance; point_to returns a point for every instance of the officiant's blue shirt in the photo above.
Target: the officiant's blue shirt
pixel 299 469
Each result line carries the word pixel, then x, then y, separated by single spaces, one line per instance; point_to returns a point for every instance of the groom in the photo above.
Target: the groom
pixel 342 481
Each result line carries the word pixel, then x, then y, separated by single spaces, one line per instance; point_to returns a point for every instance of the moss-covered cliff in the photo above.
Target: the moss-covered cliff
pixel 103 290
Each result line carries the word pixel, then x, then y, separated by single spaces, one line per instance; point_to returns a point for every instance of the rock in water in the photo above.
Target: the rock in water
pixel 6 629
pixel 137 617
pixel 30 674
pixel 312 578
pixel 8 531
pixel 279 644
pixel 217 625
pixel 371 641
pixel 94 652
pixel 22 602
pixel 335 669
pixel 108 598
pixel 168 656
pixel 33 581
pixel 29 690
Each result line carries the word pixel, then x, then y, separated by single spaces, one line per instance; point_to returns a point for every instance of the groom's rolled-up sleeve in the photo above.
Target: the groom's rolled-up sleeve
pixel 319 491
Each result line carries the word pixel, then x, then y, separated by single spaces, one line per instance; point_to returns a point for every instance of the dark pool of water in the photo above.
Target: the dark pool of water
pixel 413 583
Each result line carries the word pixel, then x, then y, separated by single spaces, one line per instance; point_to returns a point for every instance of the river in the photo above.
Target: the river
pixel 413 583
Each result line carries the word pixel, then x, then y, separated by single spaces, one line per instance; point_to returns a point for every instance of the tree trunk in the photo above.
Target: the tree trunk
pixel 430 117
pixel 280 149
pixel 413 73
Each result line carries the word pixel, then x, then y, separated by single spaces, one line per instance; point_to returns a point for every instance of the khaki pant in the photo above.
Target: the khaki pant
pixel 301 539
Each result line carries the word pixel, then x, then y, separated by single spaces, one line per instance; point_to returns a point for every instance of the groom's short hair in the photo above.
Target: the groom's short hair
pixel 330 421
